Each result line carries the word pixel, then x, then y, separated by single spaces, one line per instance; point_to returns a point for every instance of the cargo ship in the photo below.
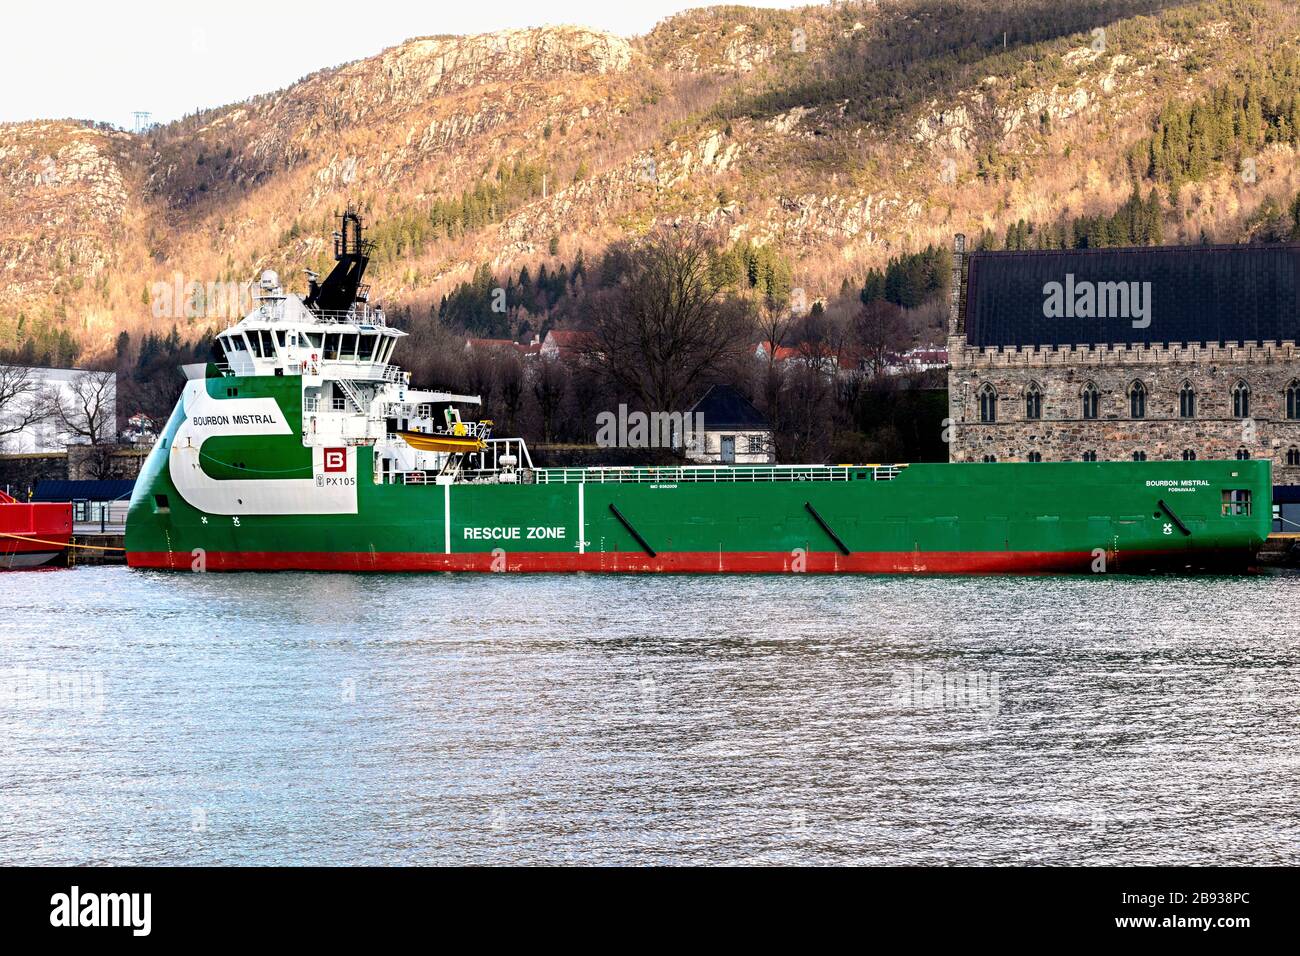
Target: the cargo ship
pixel 32 533
pixel 307 448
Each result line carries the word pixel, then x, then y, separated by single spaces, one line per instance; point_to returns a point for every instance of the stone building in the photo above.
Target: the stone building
pixel 1167 354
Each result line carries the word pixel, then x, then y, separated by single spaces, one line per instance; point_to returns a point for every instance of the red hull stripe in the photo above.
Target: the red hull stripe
pixel 691 562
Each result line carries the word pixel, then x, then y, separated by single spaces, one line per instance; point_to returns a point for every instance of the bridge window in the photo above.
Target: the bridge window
pixel 1091 400
pixel 366 348
pixel 1187 401
pixel 1241 400
pixel 1236 503
pixel 988 398
pixel 1033 401
pixel 1137 400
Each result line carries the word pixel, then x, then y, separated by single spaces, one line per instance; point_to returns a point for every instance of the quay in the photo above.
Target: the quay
pixel 1282 549
pixel 96 547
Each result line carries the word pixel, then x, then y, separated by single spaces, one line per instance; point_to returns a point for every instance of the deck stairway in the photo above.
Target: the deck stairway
pixel 353 393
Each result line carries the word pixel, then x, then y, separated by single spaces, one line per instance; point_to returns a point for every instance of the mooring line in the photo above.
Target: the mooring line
pixel 61 544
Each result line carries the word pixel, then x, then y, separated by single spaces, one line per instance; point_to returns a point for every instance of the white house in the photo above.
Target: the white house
pixel 30 399
pixel 921 359
pixel 735 432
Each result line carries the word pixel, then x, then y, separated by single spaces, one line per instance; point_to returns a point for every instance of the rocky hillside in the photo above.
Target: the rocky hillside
pixel 841 135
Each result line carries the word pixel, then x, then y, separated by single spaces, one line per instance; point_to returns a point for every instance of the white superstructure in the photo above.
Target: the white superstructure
pixel 352 394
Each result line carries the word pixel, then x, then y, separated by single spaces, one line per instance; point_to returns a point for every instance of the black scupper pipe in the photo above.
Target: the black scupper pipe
pixel 1178 523
pixel 631 530
pixel 839 543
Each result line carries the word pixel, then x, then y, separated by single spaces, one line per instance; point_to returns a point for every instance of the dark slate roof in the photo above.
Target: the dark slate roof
pixel 1199 294
pixel 724 407
pixel 109 490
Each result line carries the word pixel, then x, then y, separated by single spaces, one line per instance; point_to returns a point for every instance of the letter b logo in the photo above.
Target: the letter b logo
pixel 336 459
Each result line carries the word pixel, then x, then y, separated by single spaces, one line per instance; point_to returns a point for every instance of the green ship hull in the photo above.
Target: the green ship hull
pixel 232 485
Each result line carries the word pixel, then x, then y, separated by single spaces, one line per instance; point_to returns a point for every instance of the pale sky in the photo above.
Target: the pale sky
pixel 105 59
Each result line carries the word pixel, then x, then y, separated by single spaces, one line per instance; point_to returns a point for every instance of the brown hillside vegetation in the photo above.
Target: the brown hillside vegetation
pixel 837 136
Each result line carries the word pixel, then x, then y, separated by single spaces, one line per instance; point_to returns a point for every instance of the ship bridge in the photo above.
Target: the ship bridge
pixel 341 349
pixel 282 336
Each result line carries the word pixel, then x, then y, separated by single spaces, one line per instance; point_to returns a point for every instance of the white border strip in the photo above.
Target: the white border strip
pixel 446 519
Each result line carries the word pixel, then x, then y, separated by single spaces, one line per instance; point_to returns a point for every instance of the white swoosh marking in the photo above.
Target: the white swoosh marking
pixel 252 496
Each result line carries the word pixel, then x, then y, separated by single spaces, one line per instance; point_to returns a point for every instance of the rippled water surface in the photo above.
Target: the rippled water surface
pixel 315 718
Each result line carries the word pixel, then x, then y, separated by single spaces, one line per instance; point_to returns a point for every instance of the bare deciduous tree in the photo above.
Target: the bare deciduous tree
pixel 481 372
pixel 98 464
pixel 510 375
pixel 666 326
pixel 805 409
pixel 774 325
pixel 881 331
pixel 88 409
pixel 23 401
pixel 548 388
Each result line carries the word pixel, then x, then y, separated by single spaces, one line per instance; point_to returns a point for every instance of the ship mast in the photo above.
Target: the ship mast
pixel 343 287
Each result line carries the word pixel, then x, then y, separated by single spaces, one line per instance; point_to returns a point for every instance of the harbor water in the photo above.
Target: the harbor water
pixel 156 718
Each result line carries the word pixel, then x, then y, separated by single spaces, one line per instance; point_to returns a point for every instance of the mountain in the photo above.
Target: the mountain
pixel 834 136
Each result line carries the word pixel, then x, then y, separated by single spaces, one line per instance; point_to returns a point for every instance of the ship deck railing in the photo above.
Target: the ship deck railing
pixel 421 410
pixel 272 309
pixel 373 317
pixel 352 369
pixel 672 474
pixel 374 372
